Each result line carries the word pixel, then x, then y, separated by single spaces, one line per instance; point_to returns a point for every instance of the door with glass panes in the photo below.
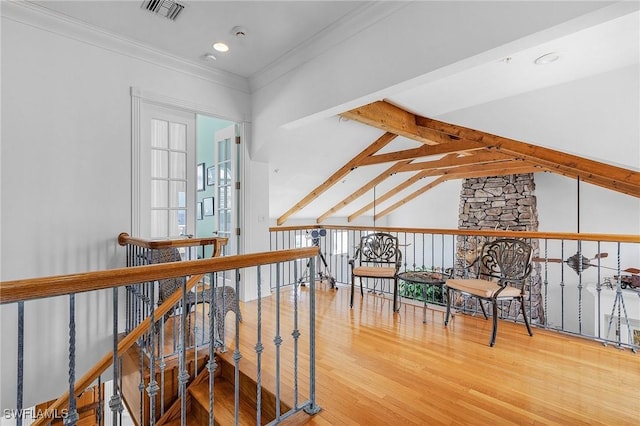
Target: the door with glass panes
pixel 167 198
pixel 227 167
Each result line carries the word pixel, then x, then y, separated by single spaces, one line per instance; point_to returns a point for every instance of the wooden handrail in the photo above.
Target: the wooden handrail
pixel 623 238
pixel 37 288
pixel 127 342
pixel 216 242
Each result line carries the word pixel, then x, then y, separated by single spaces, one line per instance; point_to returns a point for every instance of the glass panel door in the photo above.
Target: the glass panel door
pixel 227 224
pixel 167 157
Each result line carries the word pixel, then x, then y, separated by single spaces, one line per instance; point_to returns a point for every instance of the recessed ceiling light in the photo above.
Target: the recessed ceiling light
pixel 221 47
pixel 210 56
pixel 547 58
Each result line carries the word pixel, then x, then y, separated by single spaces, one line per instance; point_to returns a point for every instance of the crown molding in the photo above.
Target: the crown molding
pixel 351 24
pixel 44 19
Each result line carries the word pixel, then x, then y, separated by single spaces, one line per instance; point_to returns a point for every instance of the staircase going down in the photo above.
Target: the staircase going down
pixel 197 392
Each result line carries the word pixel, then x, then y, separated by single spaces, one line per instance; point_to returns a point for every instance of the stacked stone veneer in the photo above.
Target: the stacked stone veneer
pixel 499 203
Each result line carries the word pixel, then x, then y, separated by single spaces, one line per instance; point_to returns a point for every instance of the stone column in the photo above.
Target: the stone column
pixel 500 203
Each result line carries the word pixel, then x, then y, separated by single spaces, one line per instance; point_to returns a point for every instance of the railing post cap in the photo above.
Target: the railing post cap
pixel 122 238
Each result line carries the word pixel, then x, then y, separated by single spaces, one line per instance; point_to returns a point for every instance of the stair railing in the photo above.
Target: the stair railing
pixel 141 298
pixel 583 284
pixel 21 291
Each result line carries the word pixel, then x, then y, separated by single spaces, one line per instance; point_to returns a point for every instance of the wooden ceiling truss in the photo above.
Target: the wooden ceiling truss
pixel 464 152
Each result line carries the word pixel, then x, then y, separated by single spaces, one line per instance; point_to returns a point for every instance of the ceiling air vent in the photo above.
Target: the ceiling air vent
pixel 168 8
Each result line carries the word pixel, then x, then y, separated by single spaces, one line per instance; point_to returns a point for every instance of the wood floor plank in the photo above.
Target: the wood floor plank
pixel 375 367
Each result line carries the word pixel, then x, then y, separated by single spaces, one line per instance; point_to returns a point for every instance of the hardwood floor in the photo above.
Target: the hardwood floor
pixel 379 368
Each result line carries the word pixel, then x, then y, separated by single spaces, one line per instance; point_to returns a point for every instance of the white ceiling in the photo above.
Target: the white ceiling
pixel 287 32
pixel 273 28
pixel 611 45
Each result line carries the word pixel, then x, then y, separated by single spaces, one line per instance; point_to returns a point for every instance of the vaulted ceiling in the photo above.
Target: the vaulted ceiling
pixel 461 153
pixel 370 155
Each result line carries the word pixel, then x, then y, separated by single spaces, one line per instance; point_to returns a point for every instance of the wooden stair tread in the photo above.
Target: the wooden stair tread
pixel 190 422
pixel 224 403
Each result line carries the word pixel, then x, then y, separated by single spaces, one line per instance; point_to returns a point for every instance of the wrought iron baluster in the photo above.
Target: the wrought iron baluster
pixel 127 320
pixel 621 309
pixel 211 364
pixel 99 408
pixel 259 347
pixel 579 270
pixel 202 334
pixel 599 292
pixel 163 364
pixel 236 353
pixel 115 402
pixel 562 285
pixel 414 252
pixel 546 283
pixel 72 416
pixel 433 250
pixel 120 384
pixel 296 336
pixel 333 255
pixel 141 361
pixel 183 375
pixel 277 340
pixel 152 388
pixel 311 407
pixel 20 372
pixel 195 329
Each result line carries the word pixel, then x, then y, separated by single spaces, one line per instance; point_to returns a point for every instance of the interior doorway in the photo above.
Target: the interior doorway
pixel 216 200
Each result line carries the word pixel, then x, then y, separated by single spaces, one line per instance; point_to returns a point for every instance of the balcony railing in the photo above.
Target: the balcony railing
pixel 147 328
pixel 582 284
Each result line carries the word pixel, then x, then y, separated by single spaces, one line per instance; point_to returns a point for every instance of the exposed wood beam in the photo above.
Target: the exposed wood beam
pixel 334 178
pixel 491 169
pixel 611 177
pixel 498 169
pixel 451 176
pixel 411 196
pixel 523 169
pixel 624 188
pixel 393 119
pixel 362 190
pixel 505 168
pixel 423 151
pixel 445 163
pixel 413 179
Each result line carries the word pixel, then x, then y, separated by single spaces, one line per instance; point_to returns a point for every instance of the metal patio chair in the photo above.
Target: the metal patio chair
pixel 504 265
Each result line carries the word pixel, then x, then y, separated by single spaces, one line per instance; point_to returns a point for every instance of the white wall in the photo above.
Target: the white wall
pixel 66 179
pixel 255 218
pixel 436 208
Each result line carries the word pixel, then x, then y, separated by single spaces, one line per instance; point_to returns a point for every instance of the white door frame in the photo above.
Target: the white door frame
pixel 138 98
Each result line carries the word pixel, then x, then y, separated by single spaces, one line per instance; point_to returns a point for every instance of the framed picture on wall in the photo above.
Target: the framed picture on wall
pixel 199 210
pixel 200 177
pixel 211 175
pixel 207 206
